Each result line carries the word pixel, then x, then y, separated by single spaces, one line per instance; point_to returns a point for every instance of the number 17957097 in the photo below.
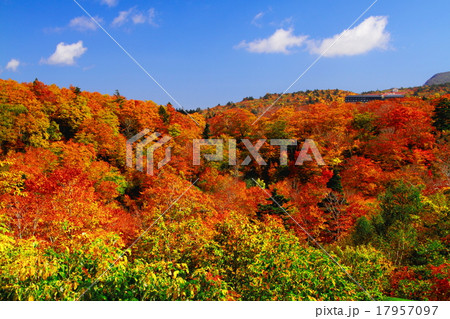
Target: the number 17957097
pixel 406 310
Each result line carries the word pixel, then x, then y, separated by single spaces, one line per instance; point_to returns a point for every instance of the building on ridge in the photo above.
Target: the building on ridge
pixel 372 97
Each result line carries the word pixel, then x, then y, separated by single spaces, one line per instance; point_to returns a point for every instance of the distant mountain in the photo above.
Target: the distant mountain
pixel 439 78
pixel 263 103
pixel 273 101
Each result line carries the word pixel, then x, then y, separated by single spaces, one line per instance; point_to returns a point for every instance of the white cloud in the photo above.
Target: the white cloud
pixel 144 17
pixel 151 14
pixel 84 23
pixel 110 3
pixel 256 19
pixel 135 16
pixel 138 18
pixel 279 42
pixel 13 65
pixel 369 35
pixel 122 17
pixel 66 54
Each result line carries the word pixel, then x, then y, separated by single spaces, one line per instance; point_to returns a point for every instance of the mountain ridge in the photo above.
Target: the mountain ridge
pixel 439 78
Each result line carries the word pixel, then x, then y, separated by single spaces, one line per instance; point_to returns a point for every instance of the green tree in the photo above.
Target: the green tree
pixel 335 182
pixel 206 132
pixel 363 232
pixel 441 115
pixel 400 202
pixel 273 209
pixel 400 205
pixel 163 114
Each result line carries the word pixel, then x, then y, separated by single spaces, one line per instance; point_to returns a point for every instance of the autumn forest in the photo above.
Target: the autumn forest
pixel 371 224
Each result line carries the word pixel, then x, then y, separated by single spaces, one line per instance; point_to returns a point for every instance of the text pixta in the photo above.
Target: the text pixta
pixel 308 148
pixel 337 311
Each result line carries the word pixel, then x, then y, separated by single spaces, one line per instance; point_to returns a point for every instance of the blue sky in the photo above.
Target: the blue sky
pixel 210 52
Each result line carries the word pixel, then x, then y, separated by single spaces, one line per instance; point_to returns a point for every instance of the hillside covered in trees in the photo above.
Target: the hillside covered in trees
pixel 77 223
